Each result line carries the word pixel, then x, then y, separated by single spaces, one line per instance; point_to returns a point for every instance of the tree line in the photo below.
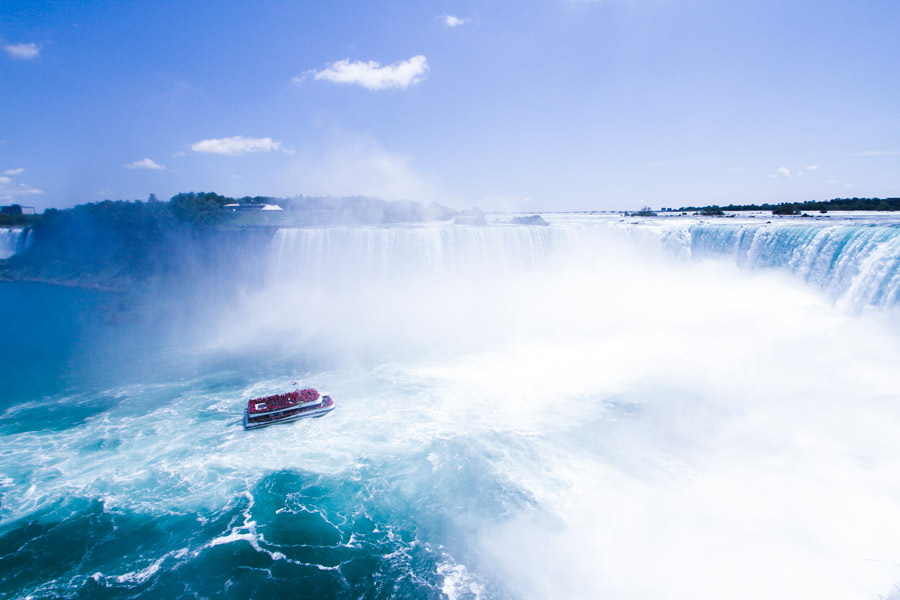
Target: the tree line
pixel 795 208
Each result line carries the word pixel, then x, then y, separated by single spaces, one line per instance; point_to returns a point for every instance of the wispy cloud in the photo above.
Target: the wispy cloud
pixel 877 153
pixel 10 189
pixel 145 163
pixel 23 51
pixel 232 146
pixel 371 75
pixel 453 21
pixel 12 172
pixel 788 174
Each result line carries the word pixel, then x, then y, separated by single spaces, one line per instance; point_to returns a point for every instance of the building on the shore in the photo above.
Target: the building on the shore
pixel 251 206
pixel 17 210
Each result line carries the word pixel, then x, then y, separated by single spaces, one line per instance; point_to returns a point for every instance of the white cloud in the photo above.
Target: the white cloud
pixel 371 75
pixel 145 163
pixel 9 189
pixel 454 21
pixel 787 173
pixel 833 181
pixel 238 144
pixel 23 51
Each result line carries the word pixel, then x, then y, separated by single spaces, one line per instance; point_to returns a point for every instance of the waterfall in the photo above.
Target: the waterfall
pixel 856 263
pixel 369 252
pixel 13 239
pixel 25 240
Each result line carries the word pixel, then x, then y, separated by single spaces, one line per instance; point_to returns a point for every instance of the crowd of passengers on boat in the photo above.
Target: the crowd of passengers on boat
pixel 280 401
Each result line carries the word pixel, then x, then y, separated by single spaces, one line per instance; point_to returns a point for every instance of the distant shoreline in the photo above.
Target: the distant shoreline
pixel 795 208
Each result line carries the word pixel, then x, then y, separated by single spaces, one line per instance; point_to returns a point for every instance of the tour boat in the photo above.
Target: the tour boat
pixel 281 408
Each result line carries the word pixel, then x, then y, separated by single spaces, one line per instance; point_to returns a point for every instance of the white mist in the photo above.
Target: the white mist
pixel 695 430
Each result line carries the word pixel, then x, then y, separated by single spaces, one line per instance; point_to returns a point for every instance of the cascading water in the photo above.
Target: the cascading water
pixel 856 263
pixel 604 407
pixel 12 240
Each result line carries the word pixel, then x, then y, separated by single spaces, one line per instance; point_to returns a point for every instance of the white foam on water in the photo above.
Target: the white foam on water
pixel 148 571
pixel 246 531
pixel 459 583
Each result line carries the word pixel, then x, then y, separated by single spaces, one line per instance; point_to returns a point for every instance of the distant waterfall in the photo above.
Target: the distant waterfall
pixel 13 239
pixel 857 264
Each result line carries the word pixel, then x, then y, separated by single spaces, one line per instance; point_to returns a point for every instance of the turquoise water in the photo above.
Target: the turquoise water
pixel 46 329
pixel 94 401
pixel 591 409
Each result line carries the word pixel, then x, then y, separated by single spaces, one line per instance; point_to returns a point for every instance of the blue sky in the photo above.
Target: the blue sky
pixel 551 104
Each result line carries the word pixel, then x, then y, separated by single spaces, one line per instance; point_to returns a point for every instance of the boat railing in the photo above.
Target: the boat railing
pixel 324 402
pixel 323 405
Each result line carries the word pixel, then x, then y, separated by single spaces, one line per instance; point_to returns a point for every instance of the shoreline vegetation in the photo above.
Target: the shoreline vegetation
pixel 796 208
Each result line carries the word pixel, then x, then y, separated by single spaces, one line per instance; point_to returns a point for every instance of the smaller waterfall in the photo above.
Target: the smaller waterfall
pixel 25 240
pixel 13 239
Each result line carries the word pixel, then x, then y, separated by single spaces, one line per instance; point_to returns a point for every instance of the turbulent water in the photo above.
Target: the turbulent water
pixel 599 408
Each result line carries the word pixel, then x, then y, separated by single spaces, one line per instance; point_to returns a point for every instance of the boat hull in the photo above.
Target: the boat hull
pixel 257 421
